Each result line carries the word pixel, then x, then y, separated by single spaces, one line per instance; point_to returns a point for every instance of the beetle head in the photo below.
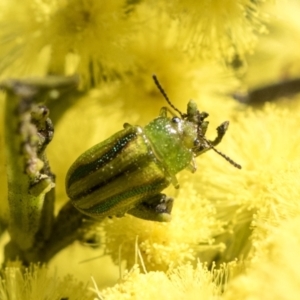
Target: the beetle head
pixel 197 118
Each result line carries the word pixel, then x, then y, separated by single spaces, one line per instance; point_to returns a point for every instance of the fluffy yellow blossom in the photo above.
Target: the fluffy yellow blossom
pixel 275 58
pixel 275 274
pixel 219 28
pixel 184 282
pixel 102 40
pixel 163 245
pixel 265 142
pixel 37 282
pixel 220 214
pixel 85 37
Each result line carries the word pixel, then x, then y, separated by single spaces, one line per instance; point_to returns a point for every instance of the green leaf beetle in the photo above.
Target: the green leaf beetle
pixel 127 172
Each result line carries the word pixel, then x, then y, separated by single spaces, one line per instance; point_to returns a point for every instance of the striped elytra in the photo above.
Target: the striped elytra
pixel 111 177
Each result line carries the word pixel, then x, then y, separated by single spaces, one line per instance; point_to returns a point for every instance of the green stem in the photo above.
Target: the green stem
pixel 69 226
pixel 27 185
pixel 35 234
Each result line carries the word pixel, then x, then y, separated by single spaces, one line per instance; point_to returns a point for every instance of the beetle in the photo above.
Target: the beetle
pixel 127 172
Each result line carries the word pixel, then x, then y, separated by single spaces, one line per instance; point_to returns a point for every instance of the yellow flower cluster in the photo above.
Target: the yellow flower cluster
pixel 184 282
pixel 37 282
pixel 101 40
pixel 244 221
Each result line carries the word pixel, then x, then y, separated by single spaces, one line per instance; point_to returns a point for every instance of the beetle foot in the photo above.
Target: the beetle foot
pixel 158 208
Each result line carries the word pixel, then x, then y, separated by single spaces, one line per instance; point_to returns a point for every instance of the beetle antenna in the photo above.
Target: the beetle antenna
pixel 165 95
pixel 226 157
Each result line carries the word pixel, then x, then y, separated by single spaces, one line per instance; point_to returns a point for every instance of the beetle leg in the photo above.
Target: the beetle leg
pixel 192 166
pixel 174 181
pixel 221 132
pixel 157 208
pixel 164 112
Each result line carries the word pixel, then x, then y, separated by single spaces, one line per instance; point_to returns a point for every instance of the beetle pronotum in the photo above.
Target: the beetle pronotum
pixel 127 172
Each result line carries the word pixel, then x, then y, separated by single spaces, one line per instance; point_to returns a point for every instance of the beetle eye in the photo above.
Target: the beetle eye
pixel 175 120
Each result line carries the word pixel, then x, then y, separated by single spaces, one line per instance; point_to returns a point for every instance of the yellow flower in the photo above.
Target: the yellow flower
pixel 218 200
pixel 220 213
pixel 86 37
pixel 218 28
pixel 184 282
pixel 36 283
pixel 102 40
pixel 276 58
pixel 275 274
